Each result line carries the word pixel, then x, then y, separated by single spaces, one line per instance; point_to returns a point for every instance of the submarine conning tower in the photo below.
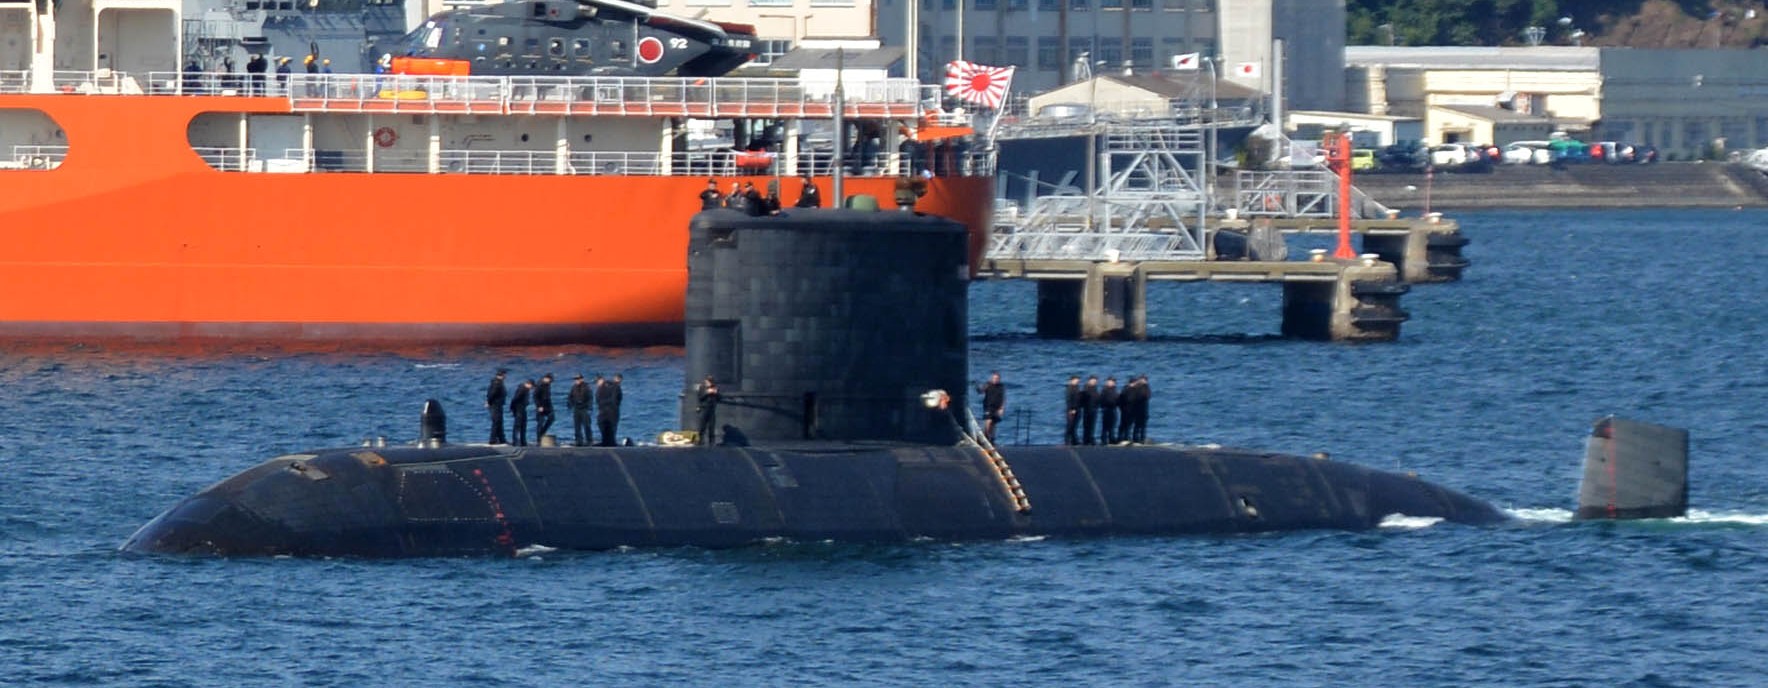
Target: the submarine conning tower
pixel 827 324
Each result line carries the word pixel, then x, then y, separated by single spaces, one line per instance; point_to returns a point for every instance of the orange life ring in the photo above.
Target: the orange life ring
pixel 385 137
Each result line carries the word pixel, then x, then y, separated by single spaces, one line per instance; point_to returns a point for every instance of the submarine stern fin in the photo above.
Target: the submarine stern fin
pixel 1632 470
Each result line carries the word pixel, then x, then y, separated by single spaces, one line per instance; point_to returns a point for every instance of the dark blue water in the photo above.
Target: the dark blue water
pixel 1564 317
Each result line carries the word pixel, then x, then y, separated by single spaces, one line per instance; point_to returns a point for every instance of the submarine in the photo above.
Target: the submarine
pixel 839 340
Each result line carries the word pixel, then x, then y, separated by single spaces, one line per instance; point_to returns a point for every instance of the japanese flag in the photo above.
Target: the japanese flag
pixel 1247 70
pixel 1188 61
pixel 979 84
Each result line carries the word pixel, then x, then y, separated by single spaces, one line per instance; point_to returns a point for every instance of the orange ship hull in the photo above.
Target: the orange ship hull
pixel 135 236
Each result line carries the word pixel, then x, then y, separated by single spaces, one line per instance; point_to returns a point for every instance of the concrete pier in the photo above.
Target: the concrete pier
pixel 1423 249
pixel 1354 300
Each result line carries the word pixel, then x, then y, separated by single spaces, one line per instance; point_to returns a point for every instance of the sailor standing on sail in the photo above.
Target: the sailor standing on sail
pixel 710 199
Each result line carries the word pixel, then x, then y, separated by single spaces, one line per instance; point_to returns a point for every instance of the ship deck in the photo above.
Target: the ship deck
pixel 704 98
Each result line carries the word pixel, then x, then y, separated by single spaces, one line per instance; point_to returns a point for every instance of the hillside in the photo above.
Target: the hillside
pixel 1620 23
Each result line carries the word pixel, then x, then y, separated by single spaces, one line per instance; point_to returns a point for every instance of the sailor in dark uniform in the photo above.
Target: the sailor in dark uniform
pixel 1108 397
pixel 735 200
pixel 710 199
pixel 708 408
pixel 1089 409
pixel 255 69
pixel 543 407
pixel 1144 394
pixel 1069 436
pixel 994 404
pixel 578 401
pixel 607 409
pixel 1126 411
pixel 495 396
pixel 753 203
pixel 809 196
pixel 519 412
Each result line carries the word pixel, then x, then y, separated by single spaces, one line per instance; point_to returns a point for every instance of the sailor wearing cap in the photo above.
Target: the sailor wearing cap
pixel 578 401
pixel 495 396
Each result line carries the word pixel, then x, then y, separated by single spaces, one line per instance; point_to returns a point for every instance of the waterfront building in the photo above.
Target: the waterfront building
pixel 1682 101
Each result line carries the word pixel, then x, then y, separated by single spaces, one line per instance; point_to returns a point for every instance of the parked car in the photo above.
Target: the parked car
pixel 1407 156
pixel 1458 158
pixel 1362 159
pixel 1527 153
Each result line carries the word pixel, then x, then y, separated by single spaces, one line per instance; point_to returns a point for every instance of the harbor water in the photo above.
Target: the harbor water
pixel 1563 317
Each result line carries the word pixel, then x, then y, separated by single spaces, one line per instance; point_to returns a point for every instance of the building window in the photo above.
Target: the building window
pixel 948 5
pixel 1111 4
pixel 985 5
pixel 1110 53
pixel 1080 5
pixel 1015 5
pixel 1049 5
pixel 1142 53
pixel 1018 51
pixel 1142 5
pixel 948 49
pixel 1049 53
pixel 985 49
pixel 768 49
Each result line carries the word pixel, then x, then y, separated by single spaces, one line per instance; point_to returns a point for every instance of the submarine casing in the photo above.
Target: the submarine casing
pixel 405 502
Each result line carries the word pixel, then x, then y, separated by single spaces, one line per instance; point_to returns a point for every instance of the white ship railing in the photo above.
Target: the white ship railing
pixel 632 96
pixel 709 163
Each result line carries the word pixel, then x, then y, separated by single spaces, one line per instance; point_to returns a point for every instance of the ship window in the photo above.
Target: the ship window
pixel 503 41
pixel 617 50
pixel 530 46
pixel 580 47
pixel 556 47
pixel 540 10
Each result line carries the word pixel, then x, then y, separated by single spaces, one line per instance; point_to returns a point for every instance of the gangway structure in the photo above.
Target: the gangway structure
pixel 1150 205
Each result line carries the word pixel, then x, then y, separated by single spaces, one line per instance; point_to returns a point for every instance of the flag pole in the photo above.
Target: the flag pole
pixel 840 129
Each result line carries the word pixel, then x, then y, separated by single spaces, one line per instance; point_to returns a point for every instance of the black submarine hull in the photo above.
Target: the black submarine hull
pixel 483 500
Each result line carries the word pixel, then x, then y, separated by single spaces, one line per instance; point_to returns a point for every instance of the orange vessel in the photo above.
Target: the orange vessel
pixel 483 210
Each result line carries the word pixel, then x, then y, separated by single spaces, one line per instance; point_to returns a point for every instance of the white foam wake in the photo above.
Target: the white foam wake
pixel 1404 522
pixel 534 551
pixel 1548 515
pixel 1695 516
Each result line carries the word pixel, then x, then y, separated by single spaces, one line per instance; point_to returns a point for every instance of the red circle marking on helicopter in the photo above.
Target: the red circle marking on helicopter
pixel 650 50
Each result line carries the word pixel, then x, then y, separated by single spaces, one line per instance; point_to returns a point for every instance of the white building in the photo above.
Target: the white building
pixel 1680 101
